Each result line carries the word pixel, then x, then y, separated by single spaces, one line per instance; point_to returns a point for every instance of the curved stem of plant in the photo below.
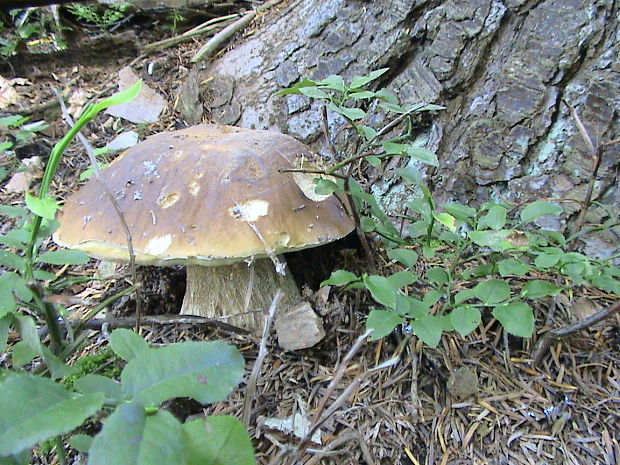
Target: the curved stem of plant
pixel 60 450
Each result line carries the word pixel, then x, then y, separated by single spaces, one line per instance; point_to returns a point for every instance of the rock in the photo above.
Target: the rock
pixel 145 108
pixel 299 328
pixel 122 142
pixel 463 382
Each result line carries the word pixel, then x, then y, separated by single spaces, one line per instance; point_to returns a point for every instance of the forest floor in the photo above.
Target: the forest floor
pixel 472 400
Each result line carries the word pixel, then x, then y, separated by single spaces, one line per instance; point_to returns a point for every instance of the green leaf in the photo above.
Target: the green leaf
pixel 127 344
pixel 537 209
pixel 464 295
pixel 401 279
pixel 365 94
pixel 494 219
pixel 381 290
pixel 12 211
pixel 392 148
pixel 387 96
pixel 340 278
pixel 349 113
pixel 43 275
pixel 295 89
pixel 432 297
pixel 5 322
pixel 323 186
pixel 15 238
pixel 22 353
pixel 361 81
pixel 428 329
pixel 606 283
pixel 547 260
pixel 23 458
pixel 35 409
pixel 368 132
pixel 45 207
pixel 492 291
pixel 496 240
pixel 130 436
pixel 437 275
pixel 465 319
pixel 81 442
pixel 11 260
pixel 446 219
pixel 124 96
pixel 90 384
pixel 538 288
pixel 314 92
pixel 333 82
pixel 12 121
pixel 411 174
pixel 368 224
pixel 460 211
pixel 13 284
pixel 217 440
pixel 405 256
pixel 205 371
pixel 409 307
pixel 64 257
pixel 512 266
pixel 373 161
pixel 516 317
pixel 422 154
pixel 382 322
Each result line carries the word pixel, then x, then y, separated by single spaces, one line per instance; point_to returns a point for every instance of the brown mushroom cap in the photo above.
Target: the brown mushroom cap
pixel 203 195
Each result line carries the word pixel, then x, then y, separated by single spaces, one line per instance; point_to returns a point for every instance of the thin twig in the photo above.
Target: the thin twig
pixel 318 417
pixel 595 152
pixel 97 173
pixel 258 364
pixel 218 39
pixel 556 334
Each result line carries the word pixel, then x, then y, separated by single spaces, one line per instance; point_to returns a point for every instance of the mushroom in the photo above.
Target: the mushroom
pixel 213 198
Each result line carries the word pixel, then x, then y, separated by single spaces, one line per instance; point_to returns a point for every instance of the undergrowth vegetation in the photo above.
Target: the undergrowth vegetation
pixel 453 267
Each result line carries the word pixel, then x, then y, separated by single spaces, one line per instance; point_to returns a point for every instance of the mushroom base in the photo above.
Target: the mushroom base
pixel 221 292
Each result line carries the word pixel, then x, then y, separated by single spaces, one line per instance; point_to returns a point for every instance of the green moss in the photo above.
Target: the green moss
pixel 104 363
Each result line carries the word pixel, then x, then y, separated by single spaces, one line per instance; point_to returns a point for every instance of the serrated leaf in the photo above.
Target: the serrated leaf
pixel 539 288
pixel 381 290
pixel 64 257
pixel 546 260
pixel 130 436
pixel 422 154
pixel 323 186
pixel 91 383
pixel 205 371
pixel 350 113
pixel 217 440
pixel 492 291
pixel 12 211
pixel 340 278
pixel 437 275
pixel 45 207
pixel 22 353
pixel 428 329
pixel 537 209
pixel 81 442
pixel 314 92
pixel 127 343
pixel 361 81
pixel 465 319
pixel 405 256
pixel 494 219
pixel 512 266
pixel 333 82
pixel 11 260
pixel 464 295
pixel 516 317
pixel 446 219
pixel 401 279
pixel 382 322
pixel 35 409
pixel 460 211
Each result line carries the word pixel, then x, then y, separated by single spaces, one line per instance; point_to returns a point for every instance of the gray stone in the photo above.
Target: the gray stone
pixel 299 328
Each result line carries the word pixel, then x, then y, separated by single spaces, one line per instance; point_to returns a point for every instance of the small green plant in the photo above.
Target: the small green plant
pixel 486 260
pixel 101 16
pixel 37 409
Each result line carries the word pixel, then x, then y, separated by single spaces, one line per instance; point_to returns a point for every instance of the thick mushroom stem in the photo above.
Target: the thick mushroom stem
pixel 220 292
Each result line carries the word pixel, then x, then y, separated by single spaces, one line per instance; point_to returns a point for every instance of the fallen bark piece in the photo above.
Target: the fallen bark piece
pixel 299 328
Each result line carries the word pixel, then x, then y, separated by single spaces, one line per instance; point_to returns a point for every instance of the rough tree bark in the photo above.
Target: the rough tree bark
pixel 502 69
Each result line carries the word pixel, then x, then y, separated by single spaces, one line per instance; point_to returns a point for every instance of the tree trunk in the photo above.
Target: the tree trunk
pixel 502 69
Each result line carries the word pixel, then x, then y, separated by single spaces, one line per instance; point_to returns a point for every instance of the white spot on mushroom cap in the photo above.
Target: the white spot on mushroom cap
pixel 158 245
pixel 194 188
pixel 168 200
pixel 250 210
